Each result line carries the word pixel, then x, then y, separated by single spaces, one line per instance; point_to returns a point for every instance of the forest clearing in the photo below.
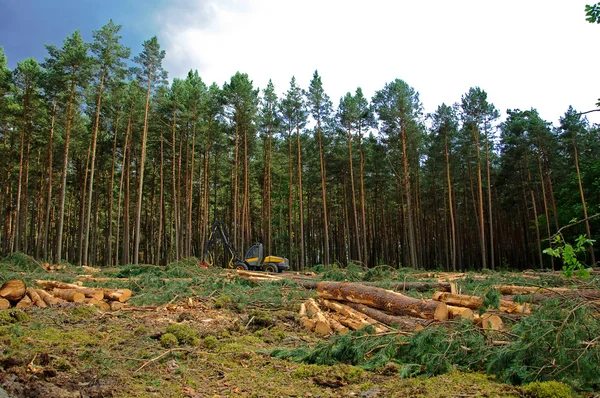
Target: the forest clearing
pixel 390 251
pixel 187 331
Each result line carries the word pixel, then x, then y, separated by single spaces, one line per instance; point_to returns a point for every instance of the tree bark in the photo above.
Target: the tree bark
pixel 138 213
pixel 403 322
pixel 63 189
pixel 392 302
pixel 92 170
pixel 300 199
pixel 475 302
pixel 585 213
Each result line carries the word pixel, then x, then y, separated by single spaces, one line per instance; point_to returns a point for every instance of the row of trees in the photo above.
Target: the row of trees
pixel 107 164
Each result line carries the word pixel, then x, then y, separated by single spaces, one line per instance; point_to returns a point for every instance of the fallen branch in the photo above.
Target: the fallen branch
pixel 160 356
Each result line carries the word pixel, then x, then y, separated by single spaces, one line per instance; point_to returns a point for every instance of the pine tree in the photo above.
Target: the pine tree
pixel 151 73
pixel 320 107
pixel 269 120
pixel 295 115
pixel 71 64
pixel 109 56
pixel 399 110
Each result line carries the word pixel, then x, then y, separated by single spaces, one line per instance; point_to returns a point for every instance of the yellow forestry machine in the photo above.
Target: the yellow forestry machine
pixel 254 259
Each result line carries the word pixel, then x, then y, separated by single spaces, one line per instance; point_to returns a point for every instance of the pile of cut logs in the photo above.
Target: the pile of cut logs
pixel 344 306
pixel 15 293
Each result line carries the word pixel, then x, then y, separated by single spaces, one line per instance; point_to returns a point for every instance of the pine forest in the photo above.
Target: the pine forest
pixel 106 161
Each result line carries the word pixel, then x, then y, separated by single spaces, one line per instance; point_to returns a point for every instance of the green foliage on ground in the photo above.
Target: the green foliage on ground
pixel 185 334
pixel 559 341
pixel 547 389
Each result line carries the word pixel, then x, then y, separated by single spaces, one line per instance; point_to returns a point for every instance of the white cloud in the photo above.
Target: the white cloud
pixel 525 54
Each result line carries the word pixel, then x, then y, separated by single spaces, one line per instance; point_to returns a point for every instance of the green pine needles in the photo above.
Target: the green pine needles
pixel 560 341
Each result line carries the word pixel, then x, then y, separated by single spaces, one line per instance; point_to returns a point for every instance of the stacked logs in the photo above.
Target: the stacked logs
pixel 345 306
pixel 15 293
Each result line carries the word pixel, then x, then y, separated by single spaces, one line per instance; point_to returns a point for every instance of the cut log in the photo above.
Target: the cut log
pixel 392 302
pixel 88 292
pixel 512 290
pixel 36 299
pixel 120 295
pixel 13 289
pixel 336 325
pixel 306 321
pixel 56 284
pixel 258 274
pixel 489 322
pixel 90 269
pixel 103 305
pixel 459 312
pixel 453 288
pixel 47 297
pixel 322 326
pixel 476 302
pixel 71 295
pixel 586 294
pixel 25 302
pixel 402 322
pixel 353 319
pixel 115 305
pixel 4 304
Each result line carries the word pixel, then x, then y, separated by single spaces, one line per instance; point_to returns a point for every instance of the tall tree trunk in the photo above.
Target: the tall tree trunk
pixel 450 203
pixel 92 169
pixel 301 199
pixel 174 186
pixel 111 181
pixel 409 210
pixel 535 214
pixel 161 202
pixel 25 246
pixel 585 213
pixel 191 183
pixel 545 201
pixel 18 217
pixel 63 189
pixel 480 200
pixel 138 213
pixel 125 185
pixel 323 194
pixel 291 192
pixel 246 232
pixel 83 190
pixel 353 198
pixel 365 257
pixel 489 192
pixel 236 240
pixel 205 189
pixel 50 174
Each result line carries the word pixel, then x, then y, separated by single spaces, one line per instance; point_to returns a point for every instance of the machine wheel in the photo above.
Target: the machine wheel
pixel 270 268
pixel 241 266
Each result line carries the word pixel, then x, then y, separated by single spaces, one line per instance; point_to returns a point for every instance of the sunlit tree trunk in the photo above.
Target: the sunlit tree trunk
pixel 92 169
pixel 585 213
pixel 63 188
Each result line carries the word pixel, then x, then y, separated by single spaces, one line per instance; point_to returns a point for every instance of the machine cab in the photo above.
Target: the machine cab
pixel 254 255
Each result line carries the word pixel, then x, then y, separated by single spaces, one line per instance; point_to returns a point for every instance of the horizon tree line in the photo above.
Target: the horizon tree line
pixel 106 164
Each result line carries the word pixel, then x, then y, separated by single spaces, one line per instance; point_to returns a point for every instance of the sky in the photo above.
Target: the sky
pixel 524 53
